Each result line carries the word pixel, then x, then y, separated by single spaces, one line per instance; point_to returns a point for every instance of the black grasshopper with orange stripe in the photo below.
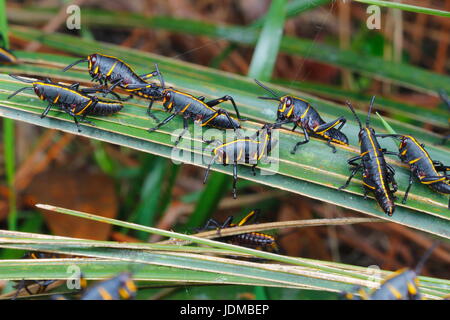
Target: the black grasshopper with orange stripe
pixel 402 284
pixel 243 150
pixel 254 240
pixel 6 56
pixel 421 165
pixel 378 175
pixel 195 108
pixel 300 112
pixel 104 69
pixel 42 284
pixel 116 288
pixel 71 99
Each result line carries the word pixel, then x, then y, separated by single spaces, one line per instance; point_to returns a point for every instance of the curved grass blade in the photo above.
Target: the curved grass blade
pixel 407 7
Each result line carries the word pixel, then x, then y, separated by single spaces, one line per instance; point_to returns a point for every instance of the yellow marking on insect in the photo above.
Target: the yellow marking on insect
pixel 394 291
pixel 82 110
pixel 185 108
pixel 283 106
pixel 112 68
pixel 124 293
pixel 427 156
pixel 234 141
pixel 334 140
pixel 415 160
pixel 411 288
pixel 349 296
pixel 305 113
pixel 104 294
pixel 394 274
pixel 404 152
pixel 264 147
pixel 34 256
pixel 8 55
pixel 56 99
pixel 129 284
pixel 321 132
pixel 120 60
pixel 240 155
pixel 378 164
pixel 246 218
pixel 433 181
pixel 83 282
pixel 364 153
pixel 96 70
pixel 363 294
pixel 170 106
pixel 193 98
pixel 290 111
pixel 369 186
pixel 59 87
pixel 209 120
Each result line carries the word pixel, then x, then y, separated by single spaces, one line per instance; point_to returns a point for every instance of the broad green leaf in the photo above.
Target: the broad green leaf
pixel 314 171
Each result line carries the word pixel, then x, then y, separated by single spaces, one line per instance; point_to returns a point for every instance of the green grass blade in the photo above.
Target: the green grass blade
pixel 294 8
pixel 266 50
pixel 8 136
pixel 407 7
pixel 316 276
pixel 338 275
pixel 209 200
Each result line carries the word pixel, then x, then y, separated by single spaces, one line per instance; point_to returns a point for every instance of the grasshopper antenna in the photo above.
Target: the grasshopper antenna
pixel 75 63
pixel 354 113
pixel 273 93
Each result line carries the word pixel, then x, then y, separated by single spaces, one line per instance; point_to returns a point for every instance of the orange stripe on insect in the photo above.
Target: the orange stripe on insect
pixel 112 68
pixel 82 110
pixel 185 108
pixel 305 113
pixel 7 54
pixel 290 111
pixel 378 164
pixel 415 160
pixel 433 181
pixel 104 294
pixel 124 293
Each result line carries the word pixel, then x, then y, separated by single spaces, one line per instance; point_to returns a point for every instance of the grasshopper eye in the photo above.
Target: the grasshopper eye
pixel 288 101
pixel 402 143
